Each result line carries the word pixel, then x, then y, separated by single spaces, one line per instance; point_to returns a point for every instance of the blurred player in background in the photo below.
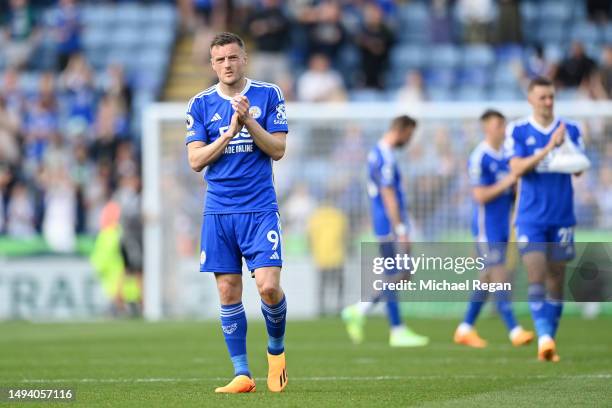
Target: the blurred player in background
pixel 545 211
pixel 492 191
pixel 390 218
pixel 235 129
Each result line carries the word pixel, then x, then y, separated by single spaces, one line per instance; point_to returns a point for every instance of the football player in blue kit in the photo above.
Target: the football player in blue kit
pixel 389 219
pixel 236 129
pixel 493 194
pixel 544 217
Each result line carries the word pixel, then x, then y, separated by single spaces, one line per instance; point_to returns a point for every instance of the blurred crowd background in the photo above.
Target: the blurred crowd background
pixel 75 76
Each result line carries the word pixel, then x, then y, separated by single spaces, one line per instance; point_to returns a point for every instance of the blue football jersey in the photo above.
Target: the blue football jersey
pixel 241 180
pixel 544 198
pixel 383 171
pixel 490 221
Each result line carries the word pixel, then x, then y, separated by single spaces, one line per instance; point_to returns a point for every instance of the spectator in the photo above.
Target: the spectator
pixel 477 17
pixel 598 10
pixel 508 27
pixel 9 135
pixel 67 31
pixel 20 33
pixel 374 41
pixel 575 69
pixel 105 143
pixel 320 83
pixel 42 122
pixel 412 91
pixel 298 208
pixel 325 32
pixel 269 28
pixel 76 82
pixel 115 85
pixel 327 232
pixel 536 64
pixel 440 22
pixel 6 178
pixel 20 212
pixel 96 194
pixel 605 72
pixel 13 96
pixel 60 210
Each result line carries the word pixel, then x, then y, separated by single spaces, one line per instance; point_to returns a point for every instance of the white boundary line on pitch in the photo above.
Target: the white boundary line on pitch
pixel 602 376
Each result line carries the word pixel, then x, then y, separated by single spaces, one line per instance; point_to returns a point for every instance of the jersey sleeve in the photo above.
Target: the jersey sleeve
pixel 276 116
pixel 478 173
pixel 386 169
pixel 514 145
pixel 574 131
pixel 196 131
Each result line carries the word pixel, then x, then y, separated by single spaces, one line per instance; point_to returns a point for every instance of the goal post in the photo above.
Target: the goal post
pixel 325 160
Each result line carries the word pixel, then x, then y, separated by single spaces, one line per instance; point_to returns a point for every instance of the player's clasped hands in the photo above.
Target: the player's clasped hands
pixel 558 136
pixel 241 105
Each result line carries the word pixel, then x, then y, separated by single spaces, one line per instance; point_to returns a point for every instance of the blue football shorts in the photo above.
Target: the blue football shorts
pixel 227 238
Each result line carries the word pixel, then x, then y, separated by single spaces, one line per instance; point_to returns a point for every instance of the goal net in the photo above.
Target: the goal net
pixel 325 163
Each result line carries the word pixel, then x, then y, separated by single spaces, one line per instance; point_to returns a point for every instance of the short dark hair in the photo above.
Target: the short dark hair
pixel 491 113
pixel 539 81
pixel 226 38
pixel 403 122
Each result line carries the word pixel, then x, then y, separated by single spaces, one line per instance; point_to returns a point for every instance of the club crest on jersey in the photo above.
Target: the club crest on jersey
pixel 530 141
pixel 255 112
pixel 189 121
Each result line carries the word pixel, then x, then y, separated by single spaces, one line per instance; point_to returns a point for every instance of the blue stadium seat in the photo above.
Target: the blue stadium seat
pixel 127 37
pixel 505 93
pixel 557 11
pixel 413 22
pixel 29 82
pixel 607 33
pixel 567 94
pixel 131 14
pixel 96 57
pixel 529 11
pixel 553 52
pixel 96 37
pixel 366 95
pixel 406 57
pixel 443 56
pixel 503 76
pixel 162 14
pixel 152 58
pixel 439 94
pixel 470 94
pixel 439 77
pixel 475 77
pixel 510 52
pixel 98 16
pixel 551 32
pixel 158 37
pixel 122 56
pixel 478 56
pixel 585 32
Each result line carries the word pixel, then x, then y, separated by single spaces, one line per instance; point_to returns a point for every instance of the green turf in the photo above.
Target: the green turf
pixel 170 364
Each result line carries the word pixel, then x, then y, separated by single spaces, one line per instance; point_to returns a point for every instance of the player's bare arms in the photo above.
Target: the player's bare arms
pixel 522 165
pixel 201 154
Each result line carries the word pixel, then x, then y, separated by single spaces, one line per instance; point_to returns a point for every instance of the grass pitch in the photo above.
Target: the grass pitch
pixel 138 364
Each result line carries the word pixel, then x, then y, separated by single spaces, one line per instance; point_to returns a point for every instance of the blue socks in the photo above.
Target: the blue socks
pixel 393 313
pixel 476 301
pixel 234 325
pixel 553 310
pixel 536 294
pixel 504 308
pixel 276 318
